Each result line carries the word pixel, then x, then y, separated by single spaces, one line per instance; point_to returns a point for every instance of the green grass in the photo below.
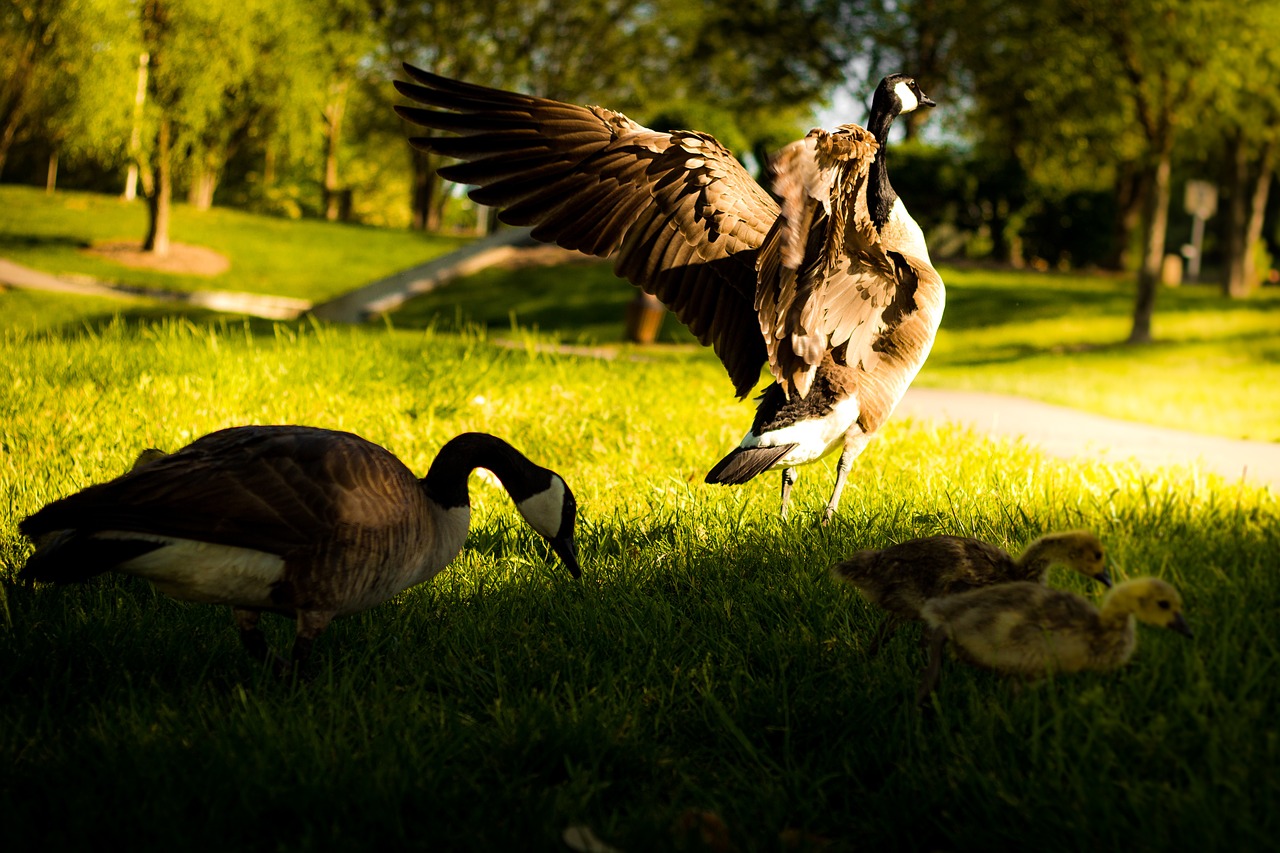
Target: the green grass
pixel 1212 368
pixel 306 258
pixel 704 662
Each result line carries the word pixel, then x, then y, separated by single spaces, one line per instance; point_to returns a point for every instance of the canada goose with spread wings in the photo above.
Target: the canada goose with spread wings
pixel 833 289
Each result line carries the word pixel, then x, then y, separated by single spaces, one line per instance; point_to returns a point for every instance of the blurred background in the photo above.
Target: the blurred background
pixel 1071 134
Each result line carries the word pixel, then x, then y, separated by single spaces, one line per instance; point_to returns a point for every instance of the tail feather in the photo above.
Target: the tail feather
pixel 746 462
pixel 67 556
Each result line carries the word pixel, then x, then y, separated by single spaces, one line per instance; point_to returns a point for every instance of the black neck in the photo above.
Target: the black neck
pixel 880 194
pixel 446 481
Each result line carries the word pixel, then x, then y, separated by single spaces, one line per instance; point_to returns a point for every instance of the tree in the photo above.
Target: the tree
pixel 747 72
pixel 201 92
pixel 1250 112
pixel 1120 82
pixel 59 74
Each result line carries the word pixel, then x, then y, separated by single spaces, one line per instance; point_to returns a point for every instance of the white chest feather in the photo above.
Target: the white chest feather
pixel 451 528
pixel 901 233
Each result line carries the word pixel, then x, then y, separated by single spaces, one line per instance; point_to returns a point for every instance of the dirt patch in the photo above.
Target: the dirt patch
pixel 183 259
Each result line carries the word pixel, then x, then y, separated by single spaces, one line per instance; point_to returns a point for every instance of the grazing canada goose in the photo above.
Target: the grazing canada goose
pixel 834 290
pixel 305 522
pixel 902 577
pixel 1028 629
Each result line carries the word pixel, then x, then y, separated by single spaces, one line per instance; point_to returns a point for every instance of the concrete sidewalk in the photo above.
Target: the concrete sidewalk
pixel 1069 433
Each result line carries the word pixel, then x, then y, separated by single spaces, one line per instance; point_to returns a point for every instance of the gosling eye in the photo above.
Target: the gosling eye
pixel 1163 605
pixel 1097 555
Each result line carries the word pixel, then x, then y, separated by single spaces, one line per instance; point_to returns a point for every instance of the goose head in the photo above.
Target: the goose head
pixel 1150 600
pixel 552 511
pixel 1079 550
pixel 898 94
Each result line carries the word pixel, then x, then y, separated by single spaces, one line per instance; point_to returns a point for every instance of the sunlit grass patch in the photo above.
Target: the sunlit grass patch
pixel 706 661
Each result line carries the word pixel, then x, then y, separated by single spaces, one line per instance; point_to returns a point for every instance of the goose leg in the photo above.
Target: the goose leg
pixel 252 639
pixel 843 467
pixel 886 630
pixel 928 681
pixel 789 478
pixel 311 624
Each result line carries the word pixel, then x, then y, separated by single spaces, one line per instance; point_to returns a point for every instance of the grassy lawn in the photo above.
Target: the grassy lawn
pixel 307 259
pixel 1052 337
pixel 705 663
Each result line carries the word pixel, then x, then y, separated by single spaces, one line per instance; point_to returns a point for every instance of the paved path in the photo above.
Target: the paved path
pixel 253 304
pixel 1071 433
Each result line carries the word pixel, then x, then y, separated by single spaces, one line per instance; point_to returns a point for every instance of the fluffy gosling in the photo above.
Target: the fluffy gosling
pixel 902 577
pixel 1029 629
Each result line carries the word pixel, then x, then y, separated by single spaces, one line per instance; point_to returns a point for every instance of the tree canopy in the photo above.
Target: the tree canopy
pixel 1066 130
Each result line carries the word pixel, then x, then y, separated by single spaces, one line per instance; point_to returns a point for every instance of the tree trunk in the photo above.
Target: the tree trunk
pixel 13 110
pixel 486 220
pixel 135 134
pixel 334 111
pixel 1155 227
pixel 1234 245
pixel 7 133
pixel 422 200
pixel 1258 214
pixel 203 184
pixel 1129 197
pixel 269 165
pixel 51 177
pixel 159 202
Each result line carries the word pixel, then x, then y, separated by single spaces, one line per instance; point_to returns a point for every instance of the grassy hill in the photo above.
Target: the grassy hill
pixel 308 259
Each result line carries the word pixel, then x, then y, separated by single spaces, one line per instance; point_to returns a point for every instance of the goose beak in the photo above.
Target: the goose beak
pixel 1180 625
pixel 568 553
pixel 1103 577
pixel 926 101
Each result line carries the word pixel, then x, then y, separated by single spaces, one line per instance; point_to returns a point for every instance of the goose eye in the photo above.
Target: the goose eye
pixel 1164 605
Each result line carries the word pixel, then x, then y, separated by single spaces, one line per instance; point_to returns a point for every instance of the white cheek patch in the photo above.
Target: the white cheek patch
pixel 545 510
pixel 908 97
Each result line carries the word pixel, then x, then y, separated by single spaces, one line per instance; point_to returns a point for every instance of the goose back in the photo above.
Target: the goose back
pixel 283 518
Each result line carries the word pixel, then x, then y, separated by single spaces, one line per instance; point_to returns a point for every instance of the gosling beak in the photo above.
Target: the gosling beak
pixel 568 553
pixel 1180 625
pixel 926 101
pixel 1103 577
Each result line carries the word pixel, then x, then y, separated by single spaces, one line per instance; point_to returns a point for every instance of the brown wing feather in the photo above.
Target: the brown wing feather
pixel 824 277
pixel 680 215
pixel 274 489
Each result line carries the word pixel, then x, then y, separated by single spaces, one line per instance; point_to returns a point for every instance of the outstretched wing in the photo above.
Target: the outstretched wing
pixel 681 216
pixel 825 280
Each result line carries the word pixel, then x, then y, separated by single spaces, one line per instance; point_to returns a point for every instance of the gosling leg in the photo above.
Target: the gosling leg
pixel 789 477
pixel 887 628
pixel 937 642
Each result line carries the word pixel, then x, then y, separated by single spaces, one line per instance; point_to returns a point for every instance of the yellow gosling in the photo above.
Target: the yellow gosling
pixel 1029 629
pixel 902 577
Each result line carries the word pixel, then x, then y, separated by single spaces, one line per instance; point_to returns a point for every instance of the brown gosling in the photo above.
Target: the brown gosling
pixel 902 577
pixel 305 522
pixel 1029 629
